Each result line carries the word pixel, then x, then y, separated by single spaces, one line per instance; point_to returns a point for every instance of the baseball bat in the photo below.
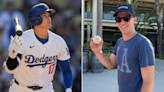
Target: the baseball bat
pixel 18 28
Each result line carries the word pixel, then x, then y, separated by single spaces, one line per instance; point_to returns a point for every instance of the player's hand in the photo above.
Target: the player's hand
pixel 96 48
pixel 15 44
pixel 68 90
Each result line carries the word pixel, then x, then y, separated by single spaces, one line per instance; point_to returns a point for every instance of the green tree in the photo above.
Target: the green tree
pixel 134 4
pixel 159 36
pixel 142 26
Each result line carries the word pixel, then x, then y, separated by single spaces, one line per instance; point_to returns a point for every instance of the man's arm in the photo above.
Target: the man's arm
pixel 14 58
pixel 147 74
pixel 12 64
pixel 67 74
pixel 107 62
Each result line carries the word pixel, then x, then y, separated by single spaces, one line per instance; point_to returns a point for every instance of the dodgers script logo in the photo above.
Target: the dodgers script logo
pixel 43 61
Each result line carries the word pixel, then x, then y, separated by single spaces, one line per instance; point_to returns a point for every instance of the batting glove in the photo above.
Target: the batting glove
pixel 68 90
pixel 15 44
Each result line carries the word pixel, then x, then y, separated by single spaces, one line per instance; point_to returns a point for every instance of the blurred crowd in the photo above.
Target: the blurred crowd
pixel 66 22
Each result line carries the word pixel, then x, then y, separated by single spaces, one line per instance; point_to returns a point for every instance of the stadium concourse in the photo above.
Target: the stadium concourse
pixel 107 80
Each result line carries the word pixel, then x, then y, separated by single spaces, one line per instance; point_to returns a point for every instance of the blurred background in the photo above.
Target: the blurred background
pixel 66 22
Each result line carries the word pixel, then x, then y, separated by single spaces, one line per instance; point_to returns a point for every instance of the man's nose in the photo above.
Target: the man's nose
pixel 122 21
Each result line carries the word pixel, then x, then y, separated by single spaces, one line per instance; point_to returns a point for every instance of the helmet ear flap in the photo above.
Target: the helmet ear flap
pixel 36 20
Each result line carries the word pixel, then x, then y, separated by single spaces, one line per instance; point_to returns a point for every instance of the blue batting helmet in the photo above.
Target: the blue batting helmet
pixel 33 15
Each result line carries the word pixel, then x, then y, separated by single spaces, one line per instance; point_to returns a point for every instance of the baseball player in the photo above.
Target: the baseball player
pixel 133 53
pixel 34 55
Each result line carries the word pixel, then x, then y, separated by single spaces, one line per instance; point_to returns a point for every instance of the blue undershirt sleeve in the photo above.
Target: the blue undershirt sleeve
pixel 67 74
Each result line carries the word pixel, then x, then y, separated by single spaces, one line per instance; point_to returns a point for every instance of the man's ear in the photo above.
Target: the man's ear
pixel 135 20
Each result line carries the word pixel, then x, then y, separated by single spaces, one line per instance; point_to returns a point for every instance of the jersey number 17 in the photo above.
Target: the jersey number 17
pixel 51 68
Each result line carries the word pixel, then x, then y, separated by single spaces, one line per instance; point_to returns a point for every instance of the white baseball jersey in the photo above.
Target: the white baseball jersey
pixel 38 62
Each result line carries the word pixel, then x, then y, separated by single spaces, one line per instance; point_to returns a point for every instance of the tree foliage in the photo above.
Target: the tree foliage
pixel 143 26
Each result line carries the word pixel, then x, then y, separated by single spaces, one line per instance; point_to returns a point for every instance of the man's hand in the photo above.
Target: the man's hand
pixel 108 62
pixel 68 90
pixel 15 44
pixel 96 48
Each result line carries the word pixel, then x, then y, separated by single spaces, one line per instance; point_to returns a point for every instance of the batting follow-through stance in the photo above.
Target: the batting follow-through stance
pixel 34 55
pixel 133 54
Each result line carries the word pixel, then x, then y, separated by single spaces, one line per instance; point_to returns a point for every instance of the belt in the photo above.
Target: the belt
pixel 31 87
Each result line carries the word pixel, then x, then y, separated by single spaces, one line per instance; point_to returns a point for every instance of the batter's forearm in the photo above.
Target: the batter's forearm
pixel 65 68
pixel 105 60
pixel 68 79
pixel 12 64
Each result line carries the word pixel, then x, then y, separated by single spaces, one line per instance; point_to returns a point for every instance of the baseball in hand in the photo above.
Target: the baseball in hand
pixel 96 39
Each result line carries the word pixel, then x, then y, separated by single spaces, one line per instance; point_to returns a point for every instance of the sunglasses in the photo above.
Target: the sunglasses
pixel 126 19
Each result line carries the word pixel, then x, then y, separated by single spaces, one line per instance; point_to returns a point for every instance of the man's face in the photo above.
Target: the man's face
pixel 46 20
pixel 125 26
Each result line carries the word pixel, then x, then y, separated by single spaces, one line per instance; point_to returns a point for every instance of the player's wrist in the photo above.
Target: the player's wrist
pixel 68 90
pixel 12 56
pixel 12 53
